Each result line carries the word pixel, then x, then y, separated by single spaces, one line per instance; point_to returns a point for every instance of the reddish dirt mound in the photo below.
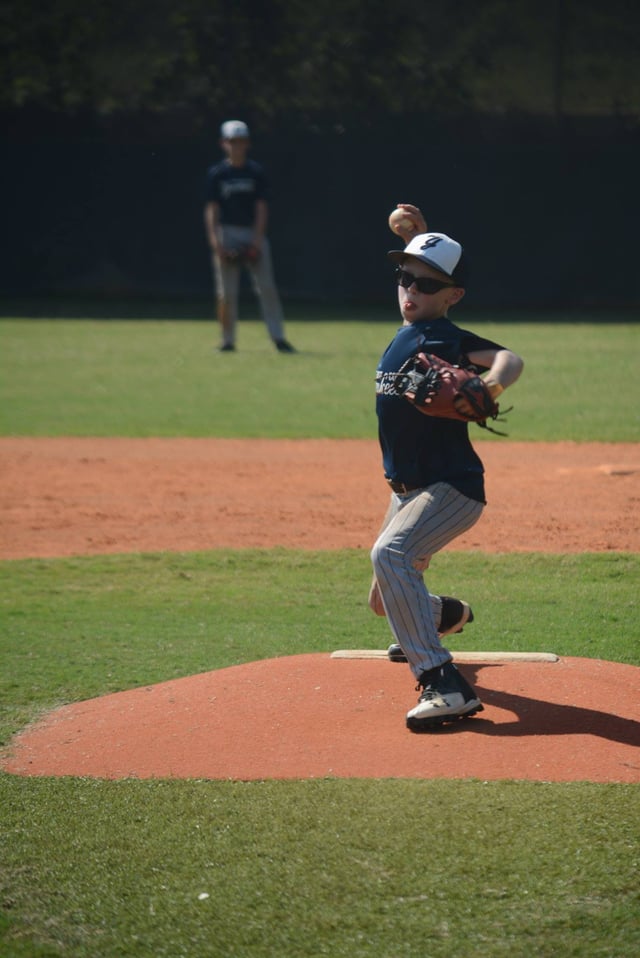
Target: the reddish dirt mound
pixel 90 496
pixel 311 716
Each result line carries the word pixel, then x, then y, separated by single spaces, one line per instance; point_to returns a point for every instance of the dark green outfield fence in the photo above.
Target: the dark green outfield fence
pixel 549 215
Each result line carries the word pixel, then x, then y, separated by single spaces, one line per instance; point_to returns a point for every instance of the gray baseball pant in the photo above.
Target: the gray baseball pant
pixel 417 525
pixel 227 279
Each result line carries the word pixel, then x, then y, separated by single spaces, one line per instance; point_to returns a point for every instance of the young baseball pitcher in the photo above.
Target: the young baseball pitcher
pixel 435 476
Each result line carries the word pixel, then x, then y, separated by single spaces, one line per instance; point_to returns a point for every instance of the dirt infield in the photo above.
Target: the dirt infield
pixel 62 497
pixel 320 716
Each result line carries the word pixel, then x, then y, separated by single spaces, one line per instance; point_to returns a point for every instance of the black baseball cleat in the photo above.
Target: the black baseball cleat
pixel 395 653
pixel 227 348
pixel 283 346
pixel 455 615
pixel 446 697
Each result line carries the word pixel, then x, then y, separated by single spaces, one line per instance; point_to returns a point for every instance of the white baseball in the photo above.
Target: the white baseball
pixel 398 220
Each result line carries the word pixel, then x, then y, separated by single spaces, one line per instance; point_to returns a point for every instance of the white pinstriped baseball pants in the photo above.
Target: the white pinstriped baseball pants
pixel 416 526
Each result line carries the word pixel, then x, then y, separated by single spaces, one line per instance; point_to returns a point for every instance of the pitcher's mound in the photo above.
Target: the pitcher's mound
pixel 311 716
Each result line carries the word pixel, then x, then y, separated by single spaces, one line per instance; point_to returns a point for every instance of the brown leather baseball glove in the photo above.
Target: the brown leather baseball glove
pixel 436 388
pixel 244 255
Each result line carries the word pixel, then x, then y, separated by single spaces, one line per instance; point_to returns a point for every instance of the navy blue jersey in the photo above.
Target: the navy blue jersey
pixel 236 189
pixel 419 450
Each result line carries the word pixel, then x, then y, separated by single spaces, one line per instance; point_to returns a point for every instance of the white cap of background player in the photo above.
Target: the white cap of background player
pixel 234 130
pixel 436 250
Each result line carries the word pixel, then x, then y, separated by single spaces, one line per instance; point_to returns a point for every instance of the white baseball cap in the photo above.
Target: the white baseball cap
pixel 234 130
pixel 437 250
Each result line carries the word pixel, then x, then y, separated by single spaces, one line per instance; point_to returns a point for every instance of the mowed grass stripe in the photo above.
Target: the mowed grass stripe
pixel 337 868
pixel 118 378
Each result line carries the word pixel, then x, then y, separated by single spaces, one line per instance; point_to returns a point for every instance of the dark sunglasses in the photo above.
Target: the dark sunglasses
pixel 424 284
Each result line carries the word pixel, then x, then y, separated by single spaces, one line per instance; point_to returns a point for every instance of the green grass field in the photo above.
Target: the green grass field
pixel 145 378
pixel 339 868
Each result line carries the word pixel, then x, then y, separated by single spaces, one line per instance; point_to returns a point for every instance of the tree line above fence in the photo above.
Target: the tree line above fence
pixel 272 58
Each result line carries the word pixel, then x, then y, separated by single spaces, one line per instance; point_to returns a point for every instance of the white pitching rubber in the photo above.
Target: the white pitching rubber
pixel 462 657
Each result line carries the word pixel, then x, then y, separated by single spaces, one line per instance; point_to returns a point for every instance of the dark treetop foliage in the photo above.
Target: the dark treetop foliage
pixel 291 57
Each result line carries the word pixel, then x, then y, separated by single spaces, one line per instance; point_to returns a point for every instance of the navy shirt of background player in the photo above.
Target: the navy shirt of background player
pixel 236 189
pixel 420 450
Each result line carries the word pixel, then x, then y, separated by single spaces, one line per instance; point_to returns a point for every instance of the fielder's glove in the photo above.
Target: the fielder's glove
pixel 250 254
pixel 436 388
pixel 241 255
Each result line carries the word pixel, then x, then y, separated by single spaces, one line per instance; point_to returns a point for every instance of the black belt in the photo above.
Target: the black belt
pixel 402 487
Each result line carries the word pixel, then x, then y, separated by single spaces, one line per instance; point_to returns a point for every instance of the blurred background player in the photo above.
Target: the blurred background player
pixel 235 216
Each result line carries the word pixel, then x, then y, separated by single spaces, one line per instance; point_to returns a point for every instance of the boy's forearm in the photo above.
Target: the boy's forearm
pixel 211 222
pixel 260 222
pixel 504 371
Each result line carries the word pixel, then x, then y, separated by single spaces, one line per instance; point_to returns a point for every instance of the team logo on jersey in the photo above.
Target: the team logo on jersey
pixel 232 187
pixel 432 241
pixel 386 383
